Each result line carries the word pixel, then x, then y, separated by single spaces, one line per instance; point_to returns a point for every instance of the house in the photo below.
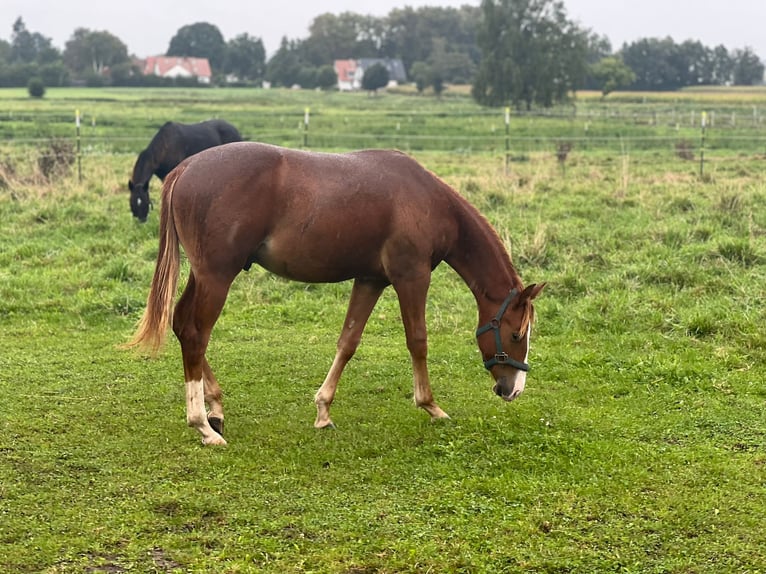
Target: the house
pixel 345 69
pixel 351 72
pixel 178 67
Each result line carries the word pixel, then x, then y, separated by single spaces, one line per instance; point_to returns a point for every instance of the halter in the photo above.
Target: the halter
pixel 500 357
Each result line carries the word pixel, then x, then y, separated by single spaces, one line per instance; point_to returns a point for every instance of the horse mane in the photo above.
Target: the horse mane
pixel 476 228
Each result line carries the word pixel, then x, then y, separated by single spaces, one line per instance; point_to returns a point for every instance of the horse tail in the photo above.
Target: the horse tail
pixel 153 325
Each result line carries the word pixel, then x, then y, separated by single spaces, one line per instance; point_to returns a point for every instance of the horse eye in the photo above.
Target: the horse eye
pixel 516 337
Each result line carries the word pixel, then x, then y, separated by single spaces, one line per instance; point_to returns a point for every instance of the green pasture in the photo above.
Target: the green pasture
pixel 639 445
pixel 123 120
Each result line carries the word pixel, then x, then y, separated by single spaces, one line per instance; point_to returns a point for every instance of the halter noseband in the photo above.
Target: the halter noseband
pixel 500 358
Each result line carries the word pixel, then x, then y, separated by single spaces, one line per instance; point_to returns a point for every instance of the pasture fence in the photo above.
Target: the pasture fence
pixel 598 133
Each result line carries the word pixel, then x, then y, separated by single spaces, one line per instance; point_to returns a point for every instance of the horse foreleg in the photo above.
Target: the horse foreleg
pixel 412 304
pixel 364 295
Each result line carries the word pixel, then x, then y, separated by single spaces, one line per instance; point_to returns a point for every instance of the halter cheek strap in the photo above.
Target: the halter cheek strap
pixel 500 358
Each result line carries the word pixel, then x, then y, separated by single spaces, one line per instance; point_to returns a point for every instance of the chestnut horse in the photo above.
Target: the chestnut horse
pixel 374 216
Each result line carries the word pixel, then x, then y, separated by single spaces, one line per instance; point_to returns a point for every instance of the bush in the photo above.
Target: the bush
pixel 36 88
pixel 55 158
pixel 375 77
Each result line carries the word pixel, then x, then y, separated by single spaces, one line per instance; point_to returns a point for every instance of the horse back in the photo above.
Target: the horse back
pixel 313 216
pixel 227 133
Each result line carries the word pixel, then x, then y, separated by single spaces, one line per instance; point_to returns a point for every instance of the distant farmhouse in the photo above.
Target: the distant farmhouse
pixel 351 72
pixel 178 67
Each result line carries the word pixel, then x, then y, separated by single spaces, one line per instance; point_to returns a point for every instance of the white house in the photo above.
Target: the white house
pixel 178 67
pixel 351 72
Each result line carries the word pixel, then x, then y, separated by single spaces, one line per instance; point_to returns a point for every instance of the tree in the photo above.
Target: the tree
pixel 420 72
pixel 403 39
pixel 200 40
pixel 611 74
pixel 532 54
pixel 409 34
pixel 326 78
pixel 748 68
pixel 375 77
pixel 440 65
pixel 343 36
pixel 693 63
pixel 28 47
pixel 22 43
pixel 90 53
pixel 723 66
pixel 599 47
pixel 284 67
pixel 54 74
pixel 448 65
pixel 5 51
pixel 246 58
pixel 29 56
pixel 437 83
pixel 661 64
pixel 651 59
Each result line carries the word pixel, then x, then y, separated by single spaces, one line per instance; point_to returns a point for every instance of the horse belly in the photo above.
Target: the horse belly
pixel 321 258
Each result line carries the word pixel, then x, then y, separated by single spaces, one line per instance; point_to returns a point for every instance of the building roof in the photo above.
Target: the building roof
pixel 345 70
pixel 161 65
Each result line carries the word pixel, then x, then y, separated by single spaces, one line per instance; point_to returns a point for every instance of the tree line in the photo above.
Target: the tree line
pixel 513 52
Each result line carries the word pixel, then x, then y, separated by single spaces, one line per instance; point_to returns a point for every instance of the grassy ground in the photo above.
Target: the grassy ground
pixel 637 447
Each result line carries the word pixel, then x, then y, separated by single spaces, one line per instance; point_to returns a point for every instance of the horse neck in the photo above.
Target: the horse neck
pixel 145 167
pixel 480 258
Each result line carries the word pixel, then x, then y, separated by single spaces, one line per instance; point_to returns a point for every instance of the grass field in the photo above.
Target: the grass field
pixel 639 445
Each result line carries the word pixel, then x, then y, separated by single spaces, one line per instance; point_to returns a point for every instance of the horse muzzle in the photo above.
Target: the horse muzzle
pixel 509 388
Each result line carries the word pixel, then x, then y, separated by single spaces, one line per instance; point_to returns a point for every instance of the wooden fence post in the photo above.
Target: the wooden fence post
pixel 702 145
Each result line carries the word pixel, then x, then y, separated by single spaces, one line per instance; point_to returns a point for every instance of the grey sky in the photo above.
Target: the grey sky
pixel 146 27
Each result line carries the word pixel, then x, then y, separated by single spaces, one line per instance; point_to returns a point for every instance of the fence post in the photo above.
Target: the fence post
pixel 79 155
pixel 306 128
pixel 702 145
pixel 507 139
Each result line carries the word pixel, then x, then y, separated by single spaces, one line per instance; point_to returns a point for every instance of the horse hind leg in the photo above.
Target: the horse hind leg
pixel 195 314
pixel 364 295
pixel 213 398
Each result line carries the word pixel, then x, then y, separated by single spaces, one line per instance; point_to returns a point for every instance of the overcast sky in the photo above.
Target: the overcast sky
pixel 146 26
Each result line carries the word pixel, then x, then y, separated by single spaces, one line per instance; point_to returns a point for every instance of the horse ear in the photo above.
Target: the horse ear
pixel 532 291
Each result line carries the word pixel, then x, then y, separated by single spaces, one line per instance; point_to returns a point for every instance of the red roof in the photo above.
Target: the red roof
pixel 345 70
pixel 161 65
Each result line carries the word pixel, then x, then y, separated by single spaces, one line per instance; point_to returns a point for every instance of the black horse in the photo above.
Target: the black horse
pixel 169 147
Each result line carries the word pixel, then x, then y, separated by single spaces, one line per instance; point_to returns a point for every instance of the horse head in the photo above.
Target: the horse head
pixel 140 204
pixel 505 354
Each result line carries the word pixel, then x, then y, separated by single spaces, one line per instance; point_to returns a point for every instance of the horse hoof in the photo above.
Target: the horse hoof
pixel 328 426
pixel 214 441
pixel 217 424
